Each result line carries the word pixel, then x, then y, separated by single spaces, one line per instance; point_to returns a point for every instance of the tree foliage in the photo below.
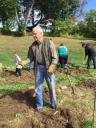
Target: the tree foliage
pixel 48 9
pixel 61 27
pixel 88 26
pixel 7 9
pixel 59 8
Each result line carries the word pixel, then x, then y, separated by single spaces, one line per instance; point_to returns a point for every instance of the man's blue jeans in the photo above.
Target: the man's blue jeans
pixel 41 73
pixel 31 65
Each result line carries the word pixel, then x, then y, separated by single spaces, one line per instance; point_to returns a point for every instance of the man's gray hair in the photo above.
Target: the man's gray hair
pixel 38 28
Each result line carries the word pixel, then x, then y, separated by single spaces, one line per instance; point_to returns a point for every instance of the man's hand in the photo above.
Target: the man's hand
pixel 52 69
pixel 23 62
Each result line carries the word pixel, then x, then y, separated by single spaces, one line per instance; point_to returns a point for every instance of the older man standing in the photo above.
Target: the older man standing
pixel 45 61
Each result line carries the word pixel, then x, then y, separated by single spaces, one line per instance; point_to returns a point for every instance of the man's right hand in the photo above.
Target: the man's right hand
pixel 23 62
pixel 52 69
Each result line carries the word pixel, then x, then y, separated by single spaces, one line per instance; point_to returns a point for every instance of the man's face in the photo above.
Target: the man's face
pixel 38 36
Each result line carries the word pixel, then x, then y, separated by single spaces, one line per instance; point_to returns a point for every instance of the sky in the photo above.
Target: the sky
pixel 91 4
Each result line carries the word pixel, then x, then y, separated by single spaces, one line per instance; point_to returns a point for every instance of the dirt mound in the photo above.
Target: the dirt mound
pixel 25 77
pixel 17 110
pixel 88 84
pixel 77 70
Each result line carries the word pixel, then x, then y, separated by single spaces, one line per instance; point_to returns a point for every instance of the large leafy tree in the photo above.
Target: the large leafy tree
pixel 87 27
pixel 10 11
pixel 59 8
pixel 7 14
pixel 7 9
pixel 53 9
pixel 24 11
pixel 90 20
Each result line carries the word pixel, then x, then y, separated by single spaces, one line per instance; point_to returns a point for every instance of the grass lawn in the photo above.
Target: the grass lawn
pixel 79 73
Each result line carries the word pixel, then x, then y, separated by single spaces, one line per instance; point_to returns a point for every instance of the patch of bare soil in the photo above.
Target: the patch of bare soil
pixel 17 110
pixel 88 84
pixel 25 77
pixel 77 70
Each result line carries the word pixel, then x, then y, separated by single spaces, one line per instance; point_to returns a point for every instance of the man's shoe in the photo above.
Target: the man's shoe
pixel 38 109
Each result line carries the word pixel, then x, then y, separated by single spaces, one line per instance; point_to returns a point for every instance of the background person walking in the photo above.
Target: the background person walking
pixel 90 53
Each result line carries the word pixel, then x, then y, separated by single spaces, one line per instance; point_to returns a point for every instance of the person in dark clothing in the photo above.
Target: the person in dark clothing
pixel 91 53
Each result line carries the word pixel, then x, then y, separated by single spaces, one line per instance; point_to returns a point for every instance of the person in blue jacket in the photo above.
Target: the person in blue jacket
pixel 63 55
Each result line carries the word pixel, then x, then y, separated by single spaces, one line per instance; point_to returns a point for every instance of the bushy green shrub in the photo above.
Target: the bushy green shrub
pixel 62 27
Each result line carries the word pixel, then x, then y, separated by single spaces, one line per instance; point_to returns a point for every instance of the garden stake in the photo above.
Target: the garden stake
pixel 73 92
pixel 66 72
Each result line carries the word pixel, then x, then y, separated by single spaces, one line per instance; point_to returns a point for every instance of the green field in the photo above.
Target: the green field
pixel 8 45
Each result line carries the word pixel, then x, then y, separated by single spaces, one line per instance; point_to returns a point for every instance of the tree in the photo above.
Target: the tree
pixel 7 9
pixel 13 9
pixel 7 12
pixel 59 8
pixel 91 23
pixel 24 10
pixel 87 27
